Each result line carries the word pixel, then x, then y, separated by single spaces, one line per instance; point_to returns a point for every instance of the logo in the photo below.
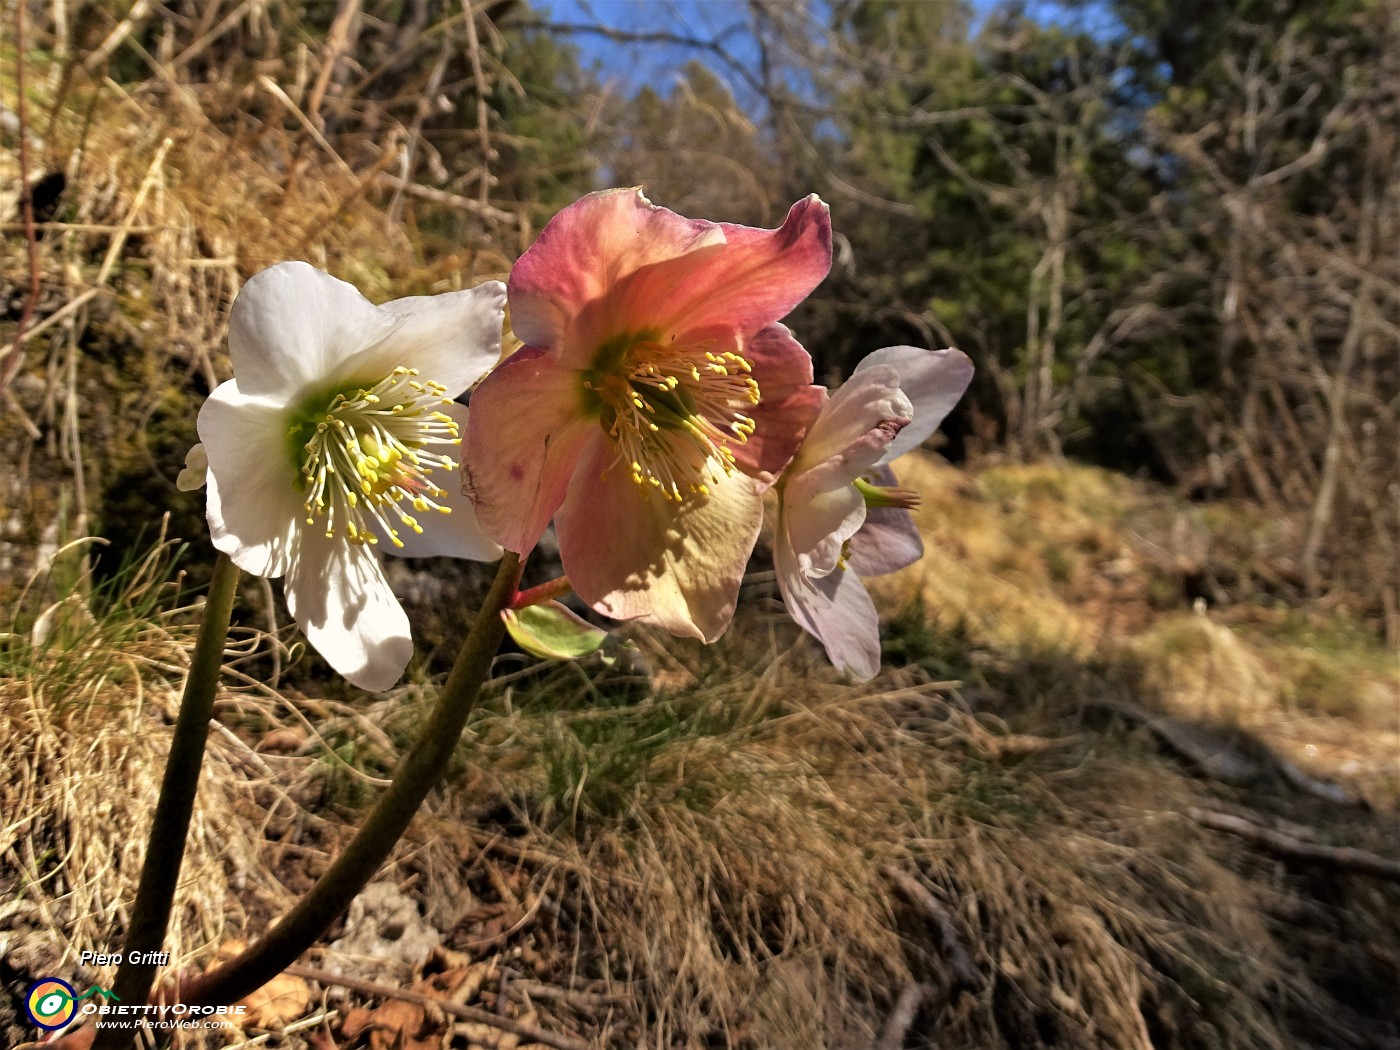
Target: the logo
pixel 51 1003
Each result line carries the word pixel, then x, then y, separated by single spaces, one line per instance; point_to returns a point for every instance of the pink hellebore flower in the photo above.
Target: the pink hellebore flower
pixel 654 401
pixel 839 515
pixel 338 436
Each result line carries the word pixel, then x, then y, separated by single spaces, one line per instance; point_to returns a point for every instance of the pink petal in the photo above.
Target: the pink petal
pixel 253 503
pixel 836 609
pixel 759 277
pixel 454 535
pixel 636 556
pixel 586 250
pixel 788 402
pixel 339 596
pixel 933 380
pixel 291 326
pixel 525 434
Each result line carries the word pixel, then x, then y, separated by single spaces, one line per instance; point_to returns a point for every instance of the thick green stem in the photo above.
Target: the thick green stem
pixel 166 849
pixel 420 769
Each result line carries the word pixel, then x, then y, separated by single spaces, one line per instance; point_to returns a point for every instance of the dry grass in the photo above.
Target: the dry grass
pixel 176 188
pixel 722 864
pixel 1076 561
pixel 87 697
pixel 724 856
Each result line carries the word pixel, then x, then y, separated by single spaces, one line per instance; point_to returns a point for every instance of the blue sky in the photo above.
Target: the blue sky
pixel 629 66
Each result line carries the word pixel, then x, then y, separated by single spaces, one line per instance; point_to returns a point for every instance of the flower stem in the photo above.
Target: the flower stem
pixel 362 857
pixel 555 588
pixel 160 871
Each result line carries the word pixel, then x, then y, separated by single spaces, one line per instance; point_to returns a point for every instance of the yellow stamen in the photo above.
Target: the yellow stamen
pixel 674 412
pixel 388 438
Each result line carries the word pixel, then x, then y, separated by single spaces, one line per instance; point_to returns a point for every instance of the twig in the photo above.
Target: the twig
pixel 906 1008
pixel 964 971
pixel 466 1013
pixel 338 44
pixel 53 318
pixel 453 200
pixel 74 227
pixel 102 52
pixel 482 113
pixel 576 997
pixel 274 89
pixel 1345 857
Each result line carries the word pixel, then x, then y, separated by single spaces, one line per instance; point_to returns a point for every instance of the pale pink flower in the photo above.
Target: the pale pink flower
pixel 337 438
pixel 654 401
pixel 839 515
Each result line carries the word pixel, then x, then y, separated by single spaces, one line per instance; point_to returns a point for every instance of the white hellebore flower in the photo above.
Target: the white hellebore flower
pixel 839 516
pixel 337 438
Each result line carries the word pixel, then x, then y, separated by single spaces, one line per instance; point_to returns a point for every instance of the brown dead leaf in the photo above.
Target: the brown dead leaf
pixel 276 1004
pixel 396 1025
pixel 460 984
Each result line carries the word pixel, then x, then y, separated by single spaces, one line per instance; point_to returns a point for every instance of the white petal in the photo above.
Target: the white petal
pixel 453 338
pixel 820 519
pixel 888 539
pixel 837 611
pixel 454 535
pixel 253 505
pixel 857 424
pixel 820 503
pixel 933 380
pixel 886 542
pixel 292 326
pixel 196 469
pixel 338 594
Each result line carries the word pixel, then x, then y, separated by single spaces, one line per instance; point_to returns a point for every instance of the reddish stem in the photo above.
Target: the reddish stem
pixel 550 589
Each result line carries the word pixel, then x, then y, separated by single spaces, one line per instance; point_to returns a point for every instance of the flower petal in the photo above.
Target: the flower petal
pixel 761 274
pixel 454 535
pixel 788 402
pixel 933 380
pixel 453 338
pixel 636 556
pixel 253 504
pixel 195 471
pixel 525 434
pixel 586 249
pixel 858 423
pixel 340 597
pixel 819 520
pixel 836 609
pixel 821 506
pixel 292 325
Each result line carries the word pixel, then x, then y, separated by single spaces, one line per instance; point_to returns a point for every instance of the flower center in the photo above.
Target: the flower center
pixel 364 460
pixel 673 412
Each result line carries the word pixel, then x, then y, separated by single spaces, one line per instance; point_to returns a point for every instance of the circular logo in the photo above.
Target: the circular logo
pixel 50 1003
